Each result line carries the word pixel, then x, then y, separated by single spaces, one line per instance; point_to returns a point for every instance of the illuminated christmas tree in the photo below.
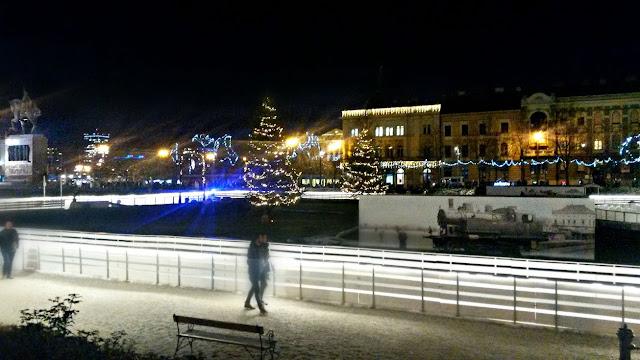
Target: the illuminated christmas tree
pixel 362 172
pixel 267 173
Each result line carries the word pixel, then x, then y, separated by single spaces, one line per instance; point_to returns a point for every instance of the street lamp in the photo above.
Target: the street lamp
pixel 163 153
pixel 333 148
pixel 292 142
pixel 538 137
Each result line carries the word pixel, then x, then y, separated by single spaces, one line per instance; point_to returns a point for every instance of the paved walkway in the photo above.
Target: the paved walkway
pixel 305 330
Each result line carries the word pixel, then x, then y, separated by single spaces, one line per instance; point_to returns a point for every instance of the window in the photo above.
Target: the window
pixel 429 129
pixel 504 127
pixel 597 118
pixel 389 131
pixel 504 149
pixel 389 152
pixel 597 145
pixel 400 177
pixel 400 151
pixel 379 131
pixel 354 132
pixel 465 151
pixel 615 141
pixel 482 151
pixel 465 130
pixel 424 130
pixel 615 118
pixel 447 151
pixel 19 153
pixel 447 130
pixel 427 152
pixel 400 130
pixel 482 129
pixel 581 121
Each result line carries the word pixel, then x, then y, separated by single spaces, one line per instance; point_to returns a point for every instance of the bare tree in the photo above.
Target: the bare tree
pixel 565 136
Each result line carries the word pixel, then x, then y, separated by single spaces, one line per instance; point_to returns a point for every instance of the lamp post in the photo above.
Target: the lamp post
pixel 333 148
pixel 538 136
pixel 205 157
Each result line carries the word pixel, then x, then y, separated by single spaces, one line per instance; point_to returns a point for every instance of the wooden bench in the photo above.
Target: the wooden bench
pixel 224 332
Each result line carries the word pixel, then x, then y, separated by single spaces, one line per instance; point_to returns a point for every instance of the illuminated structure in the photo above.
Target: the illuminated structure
pixel 54 161
pixel 97 148
pixel 540 139
pixel 362 171
pixel 268 174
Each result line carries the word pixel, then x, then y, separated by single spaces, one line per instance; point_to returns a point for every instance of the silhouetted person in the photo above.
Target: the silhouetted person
pixel 9 243
pixel 256 273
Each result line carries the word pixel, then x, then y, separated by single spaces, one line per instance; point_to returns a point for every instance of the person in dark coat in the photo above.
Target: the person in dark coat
pixel 9 243
pixel 256 269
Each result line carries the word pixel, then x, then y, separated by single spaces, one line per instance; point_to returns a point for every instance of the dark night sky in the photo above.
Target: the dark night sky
pixel 155 73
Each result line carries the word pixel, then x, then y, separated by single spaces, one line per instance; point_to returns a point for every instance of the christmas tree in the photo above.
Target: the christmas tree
pixel 362 172
pixel 268 174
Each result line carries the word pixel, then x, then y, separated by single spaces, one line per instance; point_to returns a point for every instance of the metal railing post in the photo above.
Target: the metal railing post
pixel 126 263
pixel 38 257
pixel 22 250
pixel 623 315
pixel 235 286
pixel 213 272
pixel 457 294
pixel 80 259
pixel 343 294
pixel 556 305
pixel 179 272
pixel 273 272
pixel 422 290
pixel 107 263
pixel 157 268
pixel 515 312
pixel 300 280
pixel 373 286
pixel 64 267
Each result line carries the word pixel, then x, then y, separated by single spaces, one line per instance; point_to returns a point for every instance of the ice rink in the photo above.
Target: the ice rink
pixel 305 330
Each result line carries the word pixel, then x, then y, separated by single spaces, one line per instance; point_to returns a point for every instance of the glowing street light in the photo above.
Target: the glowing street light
pixel 163 153
pixel 103 149
pixel 334 146
pixel 538 136
pixel 210 156
pixel 292 142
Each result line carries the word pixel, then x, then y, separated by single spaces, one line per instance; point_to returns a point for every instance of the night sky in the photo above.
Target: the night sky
pixel 154 74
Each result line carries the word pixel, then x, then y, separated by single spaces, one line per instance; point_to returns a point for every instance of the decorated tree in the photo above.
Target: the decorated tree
pixel 362 172
pixel 268 174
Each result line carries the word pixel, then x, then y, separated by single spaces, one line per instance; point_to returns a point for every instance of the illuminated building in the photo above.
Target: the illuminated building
pixel 97 148
pixel 514 140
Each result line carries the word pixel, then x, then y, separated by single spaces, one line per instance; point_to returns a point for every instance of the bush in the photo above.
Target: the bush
pixel 46 334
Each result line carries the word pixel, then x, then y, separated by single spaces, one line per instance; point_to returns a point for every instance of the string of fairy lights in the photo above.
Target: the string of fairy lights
pixel 625 150
pixel 267 173
pixel 362 173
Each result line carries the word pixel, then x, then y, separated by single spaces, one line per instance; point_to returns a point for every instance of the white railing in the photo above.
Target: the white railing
pixel 590 297
pixel 165 198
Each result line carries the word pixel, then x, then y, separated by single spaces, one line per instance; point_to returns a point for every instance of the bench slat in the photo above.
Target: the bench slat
pixel 219 324
pixel 228 339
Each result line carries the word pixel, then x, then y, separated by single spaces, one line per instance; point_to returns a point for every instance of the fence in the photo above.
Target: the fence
pixel 589 297
pixel 619 213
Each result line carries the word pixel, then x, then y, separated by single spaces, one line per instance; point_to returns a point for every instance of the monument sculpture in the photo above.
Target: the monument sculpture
pixel 25 112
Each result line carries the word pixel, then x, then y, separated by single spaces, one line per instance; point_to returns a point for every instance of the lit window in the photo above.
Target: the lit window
pixel 597 145
pixel 354 132
pixel 19 153
pixel 400 130
pixel 389 131
pixel 379 131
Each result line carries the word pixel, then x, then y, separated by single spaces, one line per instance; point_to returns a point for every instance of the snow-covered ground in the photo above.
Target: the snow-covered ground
pixel 305 330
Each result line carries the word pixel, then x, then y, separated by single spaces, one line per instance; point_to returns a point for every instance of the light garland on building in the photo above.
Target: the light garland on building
pixel 507 163
pixel 267 173
pixel 392 111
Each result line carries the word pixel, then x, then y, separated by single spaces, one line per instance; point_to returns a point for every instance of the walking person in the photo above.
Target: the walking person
pixel 265 265
pixel 256 267
pixel 9 243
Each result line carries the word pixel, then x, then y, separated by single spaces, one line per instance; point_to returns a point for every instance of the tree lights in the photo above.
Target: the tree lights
pixel 268 174
pixel 362 172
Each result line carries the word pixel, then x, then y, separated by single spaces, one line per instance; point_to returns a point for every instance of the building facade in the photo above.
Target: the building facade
pixel 421 145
